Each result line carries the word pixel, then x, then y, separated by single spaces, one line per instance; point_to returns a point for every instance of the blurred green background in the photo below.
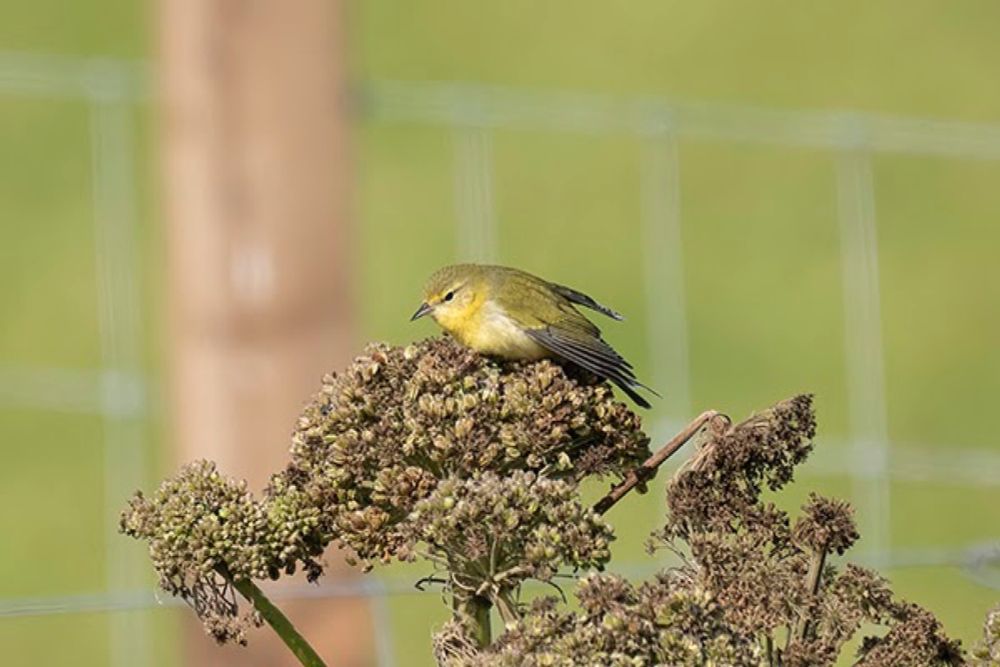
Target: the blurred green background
pixel 762 263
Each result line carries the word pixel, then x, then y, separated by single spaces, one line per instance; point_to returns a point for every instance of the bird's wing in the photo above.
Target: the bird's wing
pixel 560 328
pixel 556 325
pixel 584 300
pixel 592 354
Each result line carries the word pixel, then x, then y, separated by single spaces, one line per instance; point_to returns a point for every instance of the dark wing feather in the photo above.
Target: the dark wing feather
pixel 594 355
pixel 584 300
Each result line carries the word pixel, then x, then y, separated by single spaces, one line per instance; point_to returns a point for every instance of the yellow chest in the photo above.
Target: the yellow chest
pixel 488 329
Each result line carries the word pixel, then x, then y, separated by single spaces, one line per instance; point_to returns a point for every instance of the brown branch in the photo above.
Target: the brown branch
pixel 648 469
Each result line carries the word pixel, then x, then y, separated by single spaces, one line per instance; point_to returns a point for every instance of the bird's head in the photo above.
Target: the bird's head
pixel 452 293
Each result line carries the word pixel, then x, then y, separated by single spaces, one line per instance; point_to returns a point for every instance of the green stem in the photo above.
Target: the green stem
pixel 295 642
pixel 477 610
pixel 773 653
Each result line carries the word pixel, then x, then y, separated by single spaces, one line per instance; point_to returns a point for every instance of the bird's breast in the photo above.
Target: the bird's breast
pixel 491 331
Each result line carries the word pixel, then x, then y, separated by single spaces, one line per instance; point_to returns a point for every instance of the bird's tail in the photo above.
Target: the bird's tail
pixel 630 391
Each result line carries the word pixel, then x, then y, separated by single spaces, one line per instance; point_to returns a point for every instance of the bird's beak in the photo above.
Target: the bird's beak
pixel 421 311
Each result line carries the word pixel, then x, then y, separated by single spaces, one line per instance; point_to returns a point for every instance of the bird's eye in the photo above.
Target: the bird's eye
pixel 449 296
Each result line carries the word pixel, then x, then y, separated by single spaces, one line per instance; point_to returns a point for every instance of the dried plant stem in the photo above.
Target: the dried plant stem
pixel 816 569
pixel 295 642
pixel 507 607
pixel 648 469
pixel 816 563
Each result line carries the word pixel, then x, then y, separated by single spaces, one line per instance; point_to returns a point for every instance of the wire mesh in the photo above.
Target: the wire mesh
pixel 119 393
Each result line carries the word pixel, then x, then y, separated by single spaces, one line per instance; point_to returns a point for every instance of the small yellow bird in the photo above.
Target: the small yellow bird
pixel 512 314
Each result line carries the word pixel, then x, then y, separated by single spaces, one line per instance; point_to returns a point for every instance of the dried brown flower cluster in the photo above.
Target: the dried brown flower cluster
pixel 432 451
pixel 754 587
pixel 722 487
pixel 771 576
pixel 826 525
pixel 383 436
pixel 657 623
pixel 429 450
pixel 915 637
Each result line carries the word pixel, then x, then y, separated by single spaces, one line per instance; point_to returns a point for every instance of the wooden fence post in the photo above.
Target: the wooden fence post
pixel 256 159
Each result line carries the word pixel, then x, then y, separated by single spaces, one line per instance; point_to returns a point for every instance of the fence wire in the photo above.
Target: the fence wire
pixel 110 90
pixel 119 393
pixel 978 561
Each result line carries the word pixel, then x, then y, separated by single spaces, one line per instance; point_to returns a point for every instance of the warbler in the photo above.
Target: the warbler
pixel 513 314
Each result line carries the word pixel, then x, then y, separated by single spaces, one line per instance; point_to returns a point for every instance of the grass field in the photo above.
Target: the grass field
pixel 760 247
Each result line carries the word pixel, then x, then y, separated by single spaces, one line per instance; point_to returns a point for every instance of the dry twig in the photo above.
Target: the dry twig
pixel 649 467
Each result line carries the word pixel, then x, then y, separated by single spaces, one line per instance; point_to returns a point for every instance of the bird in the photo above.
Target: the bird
pixel 512 314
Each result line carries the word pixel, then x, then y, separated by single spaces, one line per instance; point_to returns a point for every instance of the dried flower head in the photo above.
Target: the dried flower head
pixel 380 437
pixel 915 639
pixel 722 488
pixel 771 579
pixel 200 520
pixel 826 525
pixel 742 548
pixel 199 524
pixel 658 623
pixel 758 581
pixel 847 600
pixel 987 652
pixel 491 532
pixel 477 461
pixel 856 595
pixel 434 451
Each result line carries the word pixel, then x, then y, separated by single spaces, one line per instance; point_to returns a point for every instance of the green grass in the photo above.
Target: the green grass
pixel 47 239
pixel 760 246
pixel 52 478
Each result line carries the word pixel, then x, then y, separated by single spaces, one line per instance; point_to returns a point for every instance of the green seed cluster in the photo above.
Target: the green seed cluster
pixel 204 530
pixel 200 520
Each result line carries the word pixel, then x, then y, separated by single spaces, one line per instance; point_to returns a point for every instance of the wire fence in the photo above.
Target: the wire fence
pixel 119 393
pixel 110 90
